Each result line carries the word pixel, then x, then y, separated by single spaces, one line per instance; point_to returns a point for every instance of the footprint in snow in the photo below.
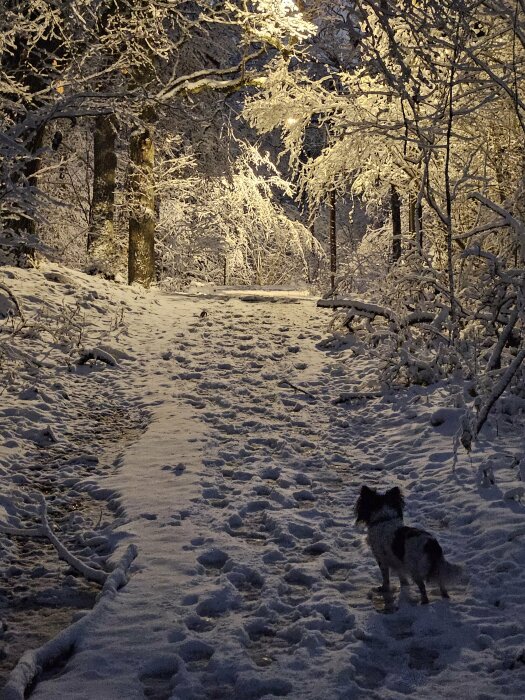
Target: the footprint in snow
pixel 196 403
pixel 156 678
pixel 316 549
pixel 178 469
pixel 247 581
pixel 220 602
pixel 214 558
pixel 195 653
pixel 251 687
pixel 185 376
pixel 423 658
pixel 198 623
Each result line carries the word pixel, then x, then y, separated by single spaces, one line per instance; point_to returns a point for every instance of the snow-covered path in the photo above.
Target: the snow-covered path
pixel 252 580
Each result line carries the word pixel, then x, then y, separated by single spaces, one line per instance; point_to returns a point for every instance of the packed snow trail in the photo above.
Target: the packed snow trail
pixel 252 580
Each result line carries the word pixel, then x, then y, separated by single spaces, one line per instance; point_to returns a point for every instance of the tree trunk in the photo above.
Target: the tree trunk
pixel 313 265
pixel 101 236
pixel 395 204
pixel 23 230
pixel 333 242
pixel 141 252
pixel 415 221
pixel 419 227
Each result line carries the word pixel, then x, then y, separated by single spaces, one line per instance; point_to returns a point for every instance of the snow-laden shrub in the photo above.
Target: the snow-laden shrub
pixel 233 229
pixel 406 316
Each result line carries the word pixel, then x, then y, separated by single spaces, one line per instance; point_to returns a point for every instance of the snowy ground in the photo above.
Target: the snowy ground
pixel 252 580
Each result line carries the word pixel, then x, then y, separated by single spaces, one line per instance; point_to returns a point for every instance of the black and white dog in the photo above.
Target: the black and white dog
pixel 407 550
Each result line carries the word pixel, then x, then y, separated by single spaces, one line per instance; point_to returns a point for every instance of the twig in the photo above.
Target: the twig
pixel 355 395
pixel 285 382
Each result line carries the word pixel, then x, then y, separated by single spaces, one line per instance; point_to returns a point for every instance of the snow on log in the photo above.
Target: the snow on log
pixel 34 661
pixel 99 355
pixel 368 310
pixel 360 308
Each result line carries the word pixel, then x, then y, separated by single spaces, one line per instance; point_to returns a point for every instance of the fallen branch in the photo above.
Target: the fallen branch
pixel 45 530
pixel 15 301
pixel 34 661
pixel 360 308
pixel 97 354
pixel 356 395
pixel 356 307
pixel 285 382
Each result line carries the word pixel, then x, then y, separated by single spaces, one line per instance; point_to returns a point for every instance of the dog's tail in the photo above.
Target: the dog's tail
pixel 440 569
pixel 452 574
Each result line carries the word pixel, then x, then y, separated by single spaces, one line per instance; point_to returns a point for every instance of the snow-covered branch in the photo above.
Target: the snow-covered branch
pixel 498 390
pixel 45 530
pixel 515 224
pixel 15 301
pixel 209 78
pixel 33 662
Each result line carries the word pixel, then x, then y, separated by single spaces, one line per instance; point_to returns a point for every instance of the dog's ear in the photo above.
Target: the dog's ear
pixel 394 497
pixel 366 491
pixel 363 506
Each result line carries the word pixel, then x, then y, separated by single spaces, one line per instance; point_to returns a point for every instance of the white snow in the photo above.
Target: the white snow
pixel 251 579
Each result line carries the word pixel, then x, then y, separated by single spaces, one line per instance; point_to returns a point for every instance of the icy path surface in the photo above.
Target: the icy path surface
pixel 252 580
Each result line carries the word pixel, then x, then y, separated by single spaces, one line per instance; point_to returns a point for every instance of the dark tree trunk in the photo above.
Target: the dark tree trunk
pixel 333 243
pixel 313 271
pixel 415 221
pixel 395 204
pixel 419 218
pixel 141 252
pixel 101 236
pixel 23 230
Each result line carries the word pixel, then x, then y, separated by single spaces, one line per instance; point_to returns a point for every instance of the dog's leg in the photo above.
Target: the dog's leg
pixel 385 573
pixel 403 581
pixel 444 592
pixel 421 585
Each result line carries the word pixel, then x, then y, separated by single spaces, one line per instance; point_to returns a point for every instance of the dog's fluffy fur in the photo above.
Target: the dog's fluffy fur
pixel 407 550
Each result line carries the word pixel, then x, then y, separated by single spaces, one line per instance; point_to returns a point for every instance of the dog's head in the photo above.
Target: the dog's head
pixel 370 502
